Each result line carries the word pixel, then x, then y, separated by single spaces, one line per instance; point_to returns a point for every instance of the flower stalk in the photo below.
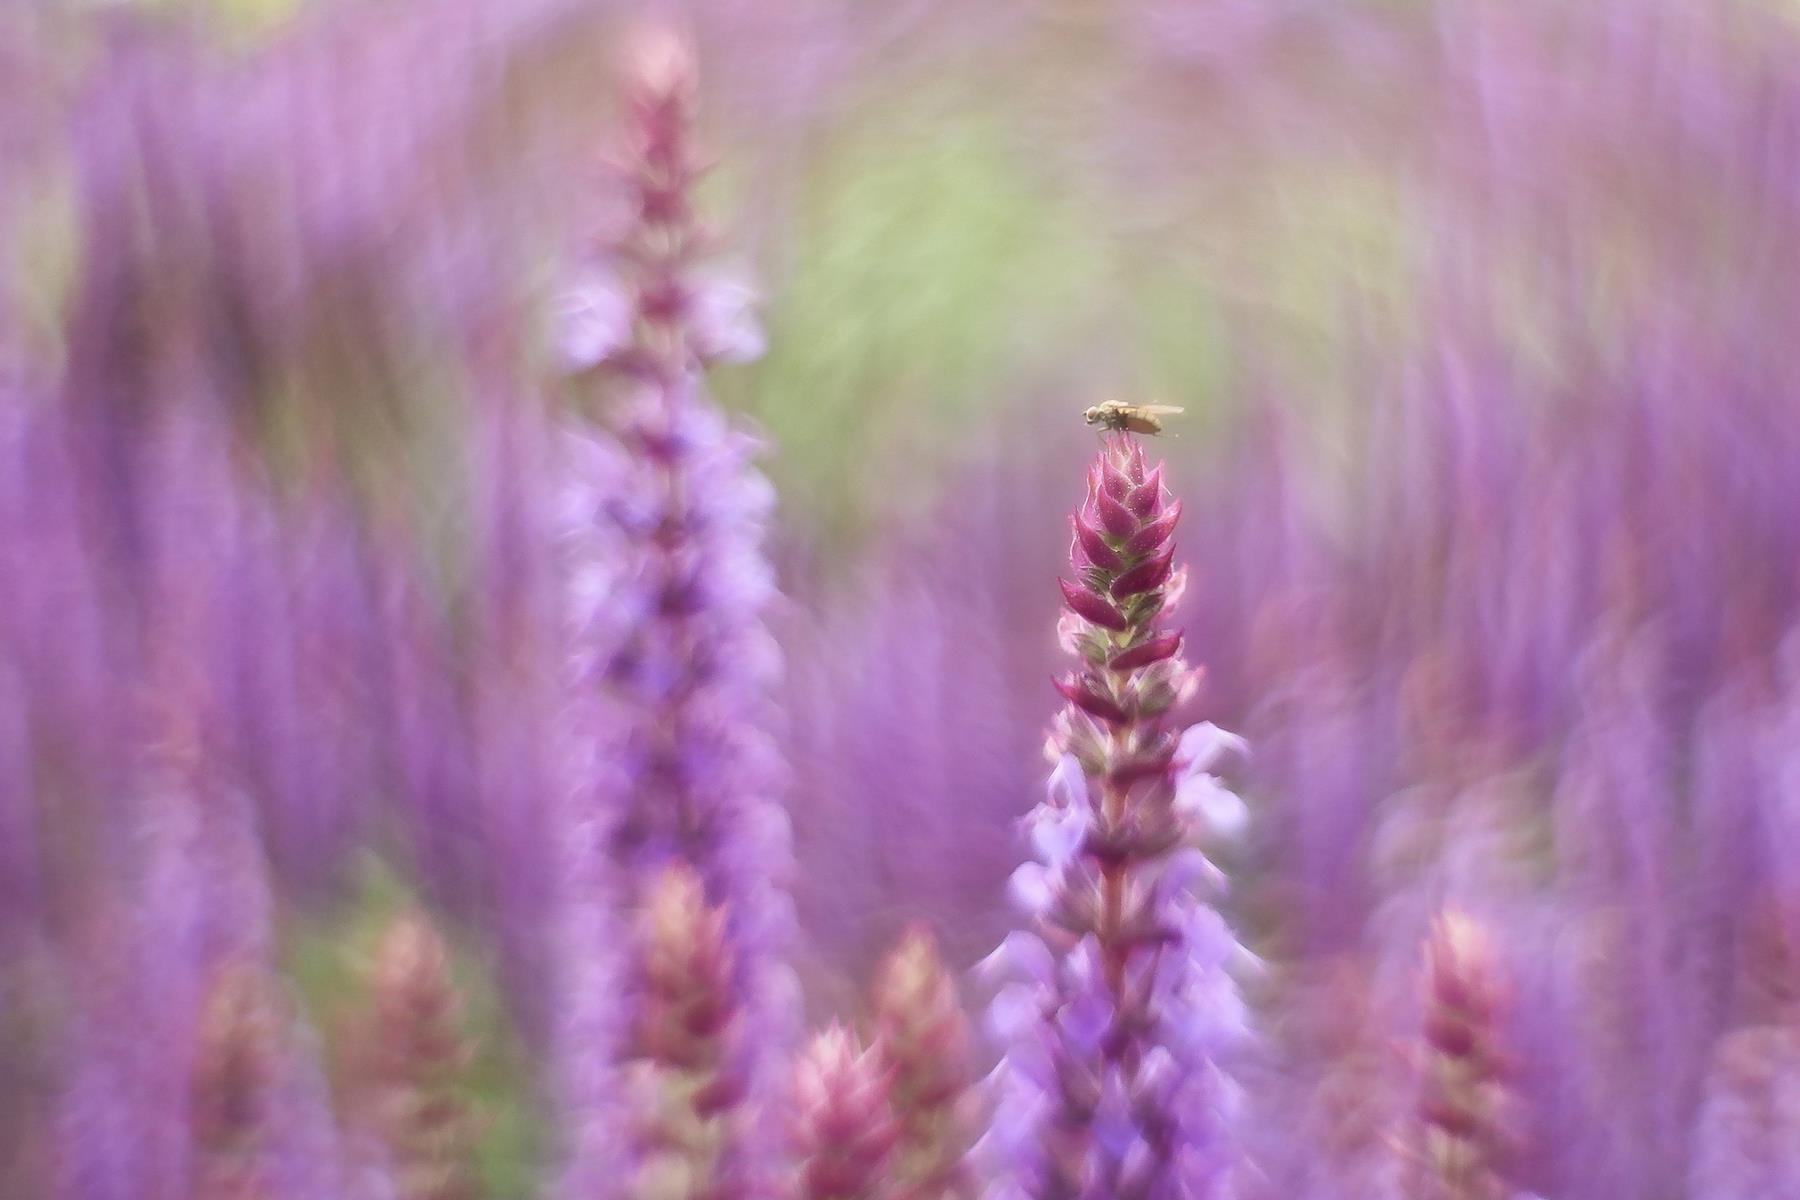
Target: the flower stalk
pixel 664 524
pixel 1123 1005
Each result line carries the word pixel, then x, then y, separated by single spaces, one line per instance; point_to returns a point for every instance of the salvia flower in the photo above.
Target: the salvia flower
pixel 1460 1139
pixel 664 523
pixel 414 1059
pixel 844 1127
pixel 238 1073
pixel 923 1038
pixel 687 1046
pixel 1124 1006
pixel 663 520
pixel 188 1074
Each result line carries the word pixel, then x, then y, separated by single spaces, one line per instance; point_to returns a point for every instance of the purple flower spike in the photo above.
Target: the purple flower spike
pixel 1460 1144
pixel 663 516
pixel 663 522
pixel 688 1046
pixel 923 1038
pixel 239 1073
pixel 411 1064
pixel 1122 1010
pixel 844 1127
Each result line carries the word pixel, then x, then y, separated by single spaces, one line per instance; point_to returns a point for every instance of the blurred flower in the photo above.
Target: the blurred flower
pixel 938 746
pixel 1749 1121
pixel 413 1057
pixel 922 1038
pixel 662 524
pixel 844 1128
pixel 593 323
pixel 688 1049
pixel 237 1075
pixel 1460 1140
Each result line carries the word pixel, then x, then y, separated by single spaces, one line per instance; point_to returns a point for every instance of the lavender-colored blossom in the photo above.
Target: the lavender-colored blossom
pixel 939 747
pixel 663 517
pixel 1744 1131
pixel 1125 1010
pixel 171 968
pixel 664 521
pixel 1507 603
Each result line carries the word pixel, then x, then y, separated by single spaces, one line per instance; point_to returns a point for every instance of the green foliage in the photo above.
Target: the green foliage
pixel 929 263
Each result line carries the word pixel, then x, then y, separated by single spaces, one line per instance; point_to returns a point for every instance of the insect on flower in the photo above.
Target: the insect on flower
pixel 1117 416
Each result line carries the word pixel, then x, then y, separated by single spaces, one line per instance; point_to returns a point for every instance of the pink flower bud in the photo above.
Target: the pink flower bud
pixel 843 1123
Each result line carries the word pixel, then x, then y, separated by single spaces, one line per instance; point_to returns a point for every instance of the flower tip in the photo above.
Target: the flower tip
pixel 1459 938
pixel 1146 498
pixel 661 59
pixel 1115 518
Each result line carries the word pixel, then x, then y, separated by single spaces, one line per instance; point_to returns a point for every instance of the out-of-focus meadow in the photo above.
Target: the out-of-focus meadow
pixel 1483 317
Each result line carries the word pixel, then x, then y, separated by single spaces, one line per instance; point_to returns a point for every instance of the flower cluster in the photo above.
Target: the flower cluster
pixel 923 1038
pixel 663 518
pixel 689 1054
pixel 1113 1084
pixel 1461 1141
pixel 1507 604
pixel 415 1057
pixel 844 1128
pixel 237 1075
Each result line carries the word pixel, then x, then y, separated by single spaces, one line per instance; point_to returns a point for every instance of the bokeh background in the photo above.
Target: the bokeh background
pixel 1483 318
